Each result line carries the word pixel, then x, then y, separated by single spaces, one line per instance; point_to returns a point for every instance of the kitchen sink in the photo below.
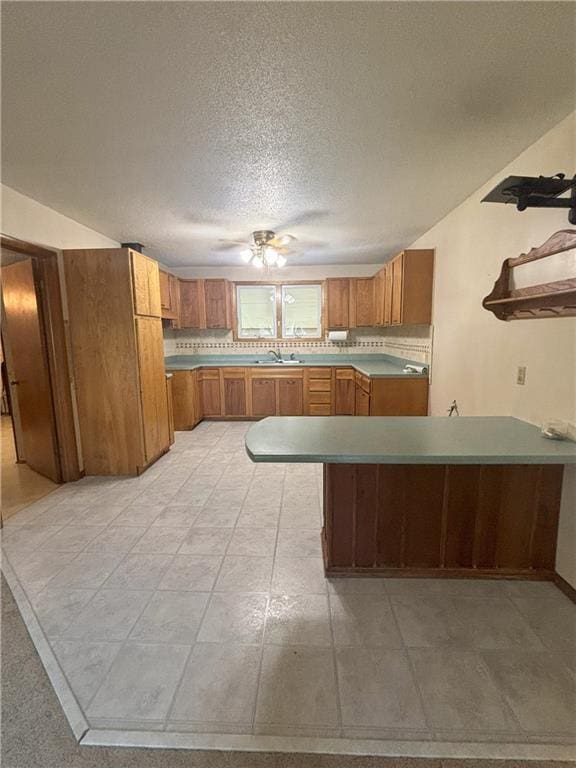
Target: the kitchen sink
pixel 278 362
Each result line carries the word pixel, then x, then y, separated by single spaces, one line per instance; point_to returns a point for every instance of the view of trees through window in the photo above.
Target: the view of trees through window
pixel 287 311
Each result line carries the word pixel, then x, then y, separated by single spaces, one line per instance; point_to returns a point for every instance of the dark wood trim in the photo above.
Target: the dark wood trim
pixel 564 586
pixel 467 519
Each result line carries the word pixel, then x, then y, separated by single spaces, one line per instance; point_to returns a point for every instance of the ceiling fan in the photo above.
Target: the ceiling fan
pixel 266 249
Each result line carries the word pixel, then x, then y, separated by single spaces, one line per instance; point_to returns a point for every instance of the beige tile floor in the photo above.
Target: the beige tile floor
pixel 192 599
pixel 20 486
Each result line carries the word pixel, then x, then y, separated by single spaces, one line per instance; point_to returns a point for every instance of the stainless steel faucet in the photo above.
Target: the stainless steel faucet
pixel 277 355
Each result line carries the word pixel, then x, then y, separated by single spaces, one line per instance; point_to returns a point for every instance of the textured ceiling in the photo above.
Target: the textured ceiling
pixel 355 126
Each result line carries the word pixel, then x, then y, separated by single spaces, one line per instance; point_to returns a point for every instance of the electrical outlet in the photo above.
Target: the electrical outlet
pixel 521 375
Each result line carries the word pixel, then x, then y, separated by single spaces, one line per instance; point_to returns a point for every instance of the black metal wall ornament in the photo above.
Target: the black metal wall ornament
pixel 536 192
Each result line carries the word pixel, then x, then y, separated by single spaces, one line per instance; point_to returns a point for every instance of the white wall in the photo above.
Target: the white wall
pixel 26 219
pixel 475 355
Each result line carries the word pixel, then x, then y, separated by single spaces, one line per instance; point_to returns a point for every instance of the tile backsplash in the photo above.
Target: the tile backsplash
pixel 408 342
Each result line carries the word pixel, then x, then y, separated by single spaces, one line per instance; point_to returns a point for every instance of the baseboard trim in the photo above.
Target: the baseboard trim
pixel 565 587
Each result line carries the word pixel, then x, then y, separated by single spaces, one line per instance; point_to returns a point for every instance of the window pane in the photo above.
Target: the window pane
pixel 301 311
pixel 256 308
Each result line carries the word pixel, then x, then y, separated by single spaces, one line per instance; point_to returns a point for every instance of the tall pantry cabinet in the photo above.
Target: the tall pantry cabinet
pixel 114 311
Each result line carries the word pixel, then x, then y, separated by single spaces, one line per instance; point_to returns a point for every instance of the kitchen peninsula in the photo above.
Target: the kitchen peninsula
pixel 476 496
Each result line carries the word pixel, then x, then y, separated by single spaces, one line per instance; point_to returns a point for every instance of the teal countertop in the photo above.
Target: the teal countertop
pixel 375 366
pixel 404 440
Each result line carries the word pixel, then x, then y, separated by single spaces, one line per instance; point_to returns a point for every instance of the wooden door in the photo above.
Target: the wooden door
pixel 338 302
pixel 25 330
pixel 154 407
pixel 263 397
pixel 290 400
pixel 191 314
pixel 388 294
pixel 185 399
pixel 235 396
pixel 216 299
pixel 397 276
pixel 364 314
pixel 345 393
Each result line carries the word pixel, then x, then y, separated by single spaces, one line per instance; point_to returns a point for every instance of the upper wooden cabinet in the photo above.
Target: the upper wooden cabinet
pixel 117 350
pixel 146 284
pixel 217 304
pixel 411 278
pixel 169 296
pixel 205 304
pixel 337 302
pixel 362 302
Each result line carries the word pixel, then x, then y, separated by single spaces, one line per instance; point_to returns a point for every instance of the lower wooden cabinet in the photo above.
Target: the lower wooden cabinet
pixel 257 393
pixel 344 392
pixel 263 397
pixel 170 405
pixel 234 390
pixel 290 397
pixel 399 397
pixel 185 399
pixel 209 385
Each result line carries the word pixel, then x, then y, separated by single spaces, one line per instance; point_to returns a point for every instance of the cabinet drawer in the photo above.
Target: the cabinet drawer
pixel 233 373
pixel 319 385
pixel 345 373
pixel 319 410
pixel 362 381
pixel 320 397
pixel 320 373
pixel 209 373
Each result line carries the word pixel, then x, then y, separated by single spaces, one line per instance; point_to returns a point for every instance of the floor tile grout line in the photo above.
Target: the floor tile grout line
pixel 268 603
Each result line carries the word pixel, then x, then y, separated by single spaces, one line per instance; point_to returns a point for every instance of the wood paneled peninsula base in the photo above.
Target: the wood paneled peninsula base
pixel 467 497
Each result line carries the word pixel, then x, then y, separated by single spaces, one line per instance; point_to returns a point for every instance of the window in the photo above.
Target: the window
pixel 301 311
pixel 256 308
pixel 278 311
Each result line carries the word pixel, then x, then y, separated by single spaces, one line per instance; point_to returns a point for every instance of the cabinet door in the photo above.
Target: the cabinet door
pixel 397 275
pixel 140 283
pixel 216 300
pixel 338 302
pixel 154 303
pixel 185 399
pixel 290 397
pixel 170 405
pixel 388 294
pixel 235 397
pixel 362 402
pixel 345 393
pixel 399 397
pixel 379 296
pixel 263 397
pixel 364 302
pixel 154 406
pixel 164 279
pixel 210 397
pixel 191 313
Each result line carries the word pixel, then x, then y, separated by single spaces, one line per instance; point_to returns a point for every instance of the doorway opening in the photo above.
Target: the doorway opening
pixel 39 446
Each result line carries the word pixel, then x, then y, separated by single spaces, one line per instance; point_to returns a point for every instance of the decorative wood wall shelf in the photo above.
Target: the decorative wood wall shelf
pixel 510 300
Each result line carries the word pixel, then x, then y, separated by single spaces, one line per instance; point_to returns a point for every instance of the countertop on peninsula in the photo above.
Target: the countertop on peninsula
pixel 404 440
pixel 375 366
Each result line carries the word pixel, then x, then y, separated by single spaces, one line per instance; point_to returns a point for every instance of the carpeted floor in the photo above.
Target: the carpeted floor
pixel 35 733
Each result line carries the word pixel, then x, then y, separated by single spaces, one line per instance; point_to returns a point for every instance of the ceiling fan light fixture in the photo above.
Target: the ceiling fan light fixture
pixel 285 239
pixel 281 260
pixel 246 255
pixel 270 255
pixel 257 262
